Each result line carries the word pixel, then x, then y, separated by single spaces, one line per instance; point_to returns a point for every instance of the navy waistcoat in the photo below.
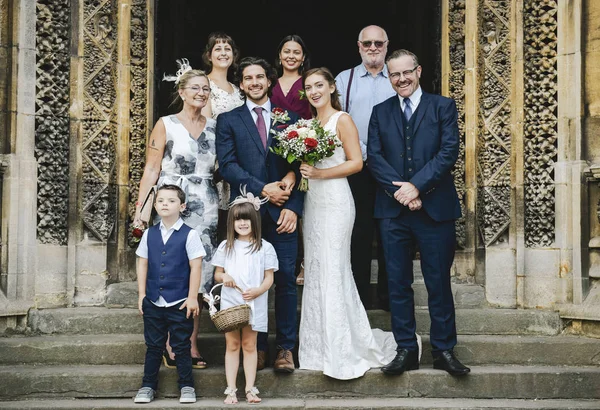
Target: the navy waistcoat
pixel 168 265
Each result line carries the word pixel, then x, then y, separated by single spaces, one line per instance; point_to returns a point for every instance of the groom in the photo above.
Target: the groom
pixel 243 140
pixel 412 147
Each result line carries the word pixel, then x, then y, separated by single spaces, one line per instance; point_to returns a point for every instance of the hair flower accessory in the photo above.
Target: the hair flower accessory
pixel 279 115
pixel 184 67
pixel 250 198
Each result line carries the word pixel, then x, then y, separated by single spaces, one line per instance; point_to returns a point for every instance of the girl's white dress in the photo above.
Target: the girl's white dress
pixel 335 334
pixel 248 270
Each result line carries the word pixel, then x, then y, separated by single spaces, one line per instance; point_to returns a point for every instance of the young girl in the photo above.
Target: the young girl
pixel 246 261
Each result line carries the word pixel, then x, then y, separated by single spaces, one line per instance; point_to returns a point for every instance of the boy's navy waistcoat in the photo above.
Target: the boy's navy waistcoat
pixel 168 265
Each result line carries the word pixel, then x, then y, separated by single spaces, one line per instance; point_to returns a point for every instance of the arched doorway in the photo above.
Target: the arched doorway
pixel 329 28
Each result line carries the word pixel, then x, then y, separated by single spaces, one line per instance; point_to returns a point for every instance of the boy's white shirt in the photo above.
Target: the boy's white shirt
pixel 193 246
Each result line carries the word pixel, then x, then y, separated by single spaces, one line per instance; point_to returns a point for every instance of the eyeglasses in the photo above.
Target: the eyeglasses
pixel 369 43
pixel 406 73
pixel 197 89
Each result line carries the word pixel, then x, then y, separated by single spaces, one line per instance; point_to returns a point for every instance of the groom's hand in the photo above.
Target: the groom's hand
pixel 276 193
pixel 287 221
pixel 406 193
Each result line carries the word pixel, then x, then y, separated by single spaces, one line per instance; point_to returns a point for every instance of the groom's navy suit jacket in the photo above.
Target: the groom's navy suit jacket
pixel 244 161
pixel 433 153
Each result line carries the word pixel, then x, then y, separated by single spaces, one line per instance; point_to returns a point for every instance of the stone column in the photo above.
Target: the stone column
pixel 19 184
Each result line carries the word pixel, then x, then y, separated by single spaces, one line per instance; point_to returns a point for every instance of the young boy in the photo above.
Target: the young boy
pixel 168 272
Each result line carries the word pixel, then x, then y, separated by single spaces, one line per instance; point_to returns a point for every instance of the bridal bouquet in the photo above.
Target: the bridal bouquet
pixel 305 141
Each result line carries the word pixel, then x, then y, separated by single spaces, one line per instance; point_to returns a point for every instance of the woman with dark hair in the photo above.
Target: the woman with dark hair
pixel 292 60
pixel 220 56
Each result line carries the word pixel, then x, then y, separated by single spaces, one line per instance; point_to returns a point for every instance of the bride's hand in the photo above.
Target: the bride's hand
pixel 308 171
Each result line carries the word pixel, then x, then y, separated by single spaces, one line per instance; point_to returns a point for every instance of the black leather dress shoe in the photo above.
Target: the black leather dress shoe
pixel 448 362
pixel 404 360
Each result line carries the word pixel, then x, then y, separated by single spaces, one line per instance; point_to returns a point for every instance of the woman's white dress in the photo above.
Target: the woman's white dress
pixel 248 270
pixel 335 334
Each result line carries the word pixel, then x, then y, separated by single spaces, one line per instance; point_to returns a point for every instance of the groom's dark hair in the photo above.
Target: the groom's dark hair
pixel 248 61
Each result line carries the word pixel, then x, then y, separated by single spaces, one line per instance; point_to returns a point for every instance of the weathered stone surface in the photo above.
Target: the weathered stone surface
pixel 512 382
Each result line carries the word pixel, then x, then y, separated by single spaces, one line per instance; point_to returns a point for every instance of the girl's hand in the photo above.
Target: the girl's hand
pixel 308 171
pixel 228 281
pixel 251 294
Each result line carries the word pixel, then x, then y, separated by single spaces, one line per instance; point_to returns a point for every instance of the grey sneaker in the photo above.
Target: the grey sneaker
pixel 144 395
pixel 188 395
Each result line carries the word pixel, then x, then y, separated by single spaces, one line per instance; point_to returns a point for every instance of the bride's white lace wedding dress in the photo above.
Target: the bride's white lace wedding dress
pixel 335 334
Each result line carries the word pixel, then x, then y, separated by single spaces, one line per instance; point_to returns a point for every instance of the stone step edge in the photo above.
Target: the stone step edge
pixel 374 403
pixel 484 382
pixel 129 348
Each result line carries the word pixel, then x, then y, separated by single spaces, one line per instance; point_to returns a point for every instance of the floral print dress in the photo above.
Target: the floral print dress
pixel 190 164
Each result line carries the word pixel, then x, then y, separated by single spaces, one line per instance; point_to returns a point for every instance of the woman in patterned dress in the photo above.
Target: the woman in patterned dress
pixel 220 55
pixel 181 151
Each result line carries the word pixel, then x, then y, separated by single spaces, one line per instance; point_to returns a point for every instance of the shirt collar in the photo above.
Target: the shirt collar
pixel 251 105
pixel 415 97
pixel 176 226
pixel 361 70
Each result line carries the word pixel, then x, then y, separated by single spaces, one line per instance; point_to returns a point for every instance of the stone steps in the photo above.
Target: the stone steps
pixel 122 349
pixel 488 321
pixel 484 382
pixel 404 403
pixel 124 294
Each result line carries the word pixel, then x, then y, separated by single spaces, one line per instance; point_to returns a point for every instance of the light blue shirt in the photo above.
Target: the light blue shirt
pixel 415 99
pixel 366 91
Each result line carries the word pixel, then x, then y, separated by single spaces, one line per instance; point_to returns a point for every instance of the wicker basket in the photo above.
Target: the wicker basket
pixel 233 318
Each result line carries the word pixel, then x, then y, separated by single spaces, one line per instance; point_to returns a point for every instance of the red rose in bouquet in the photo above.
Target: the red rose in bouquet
pixel 305 141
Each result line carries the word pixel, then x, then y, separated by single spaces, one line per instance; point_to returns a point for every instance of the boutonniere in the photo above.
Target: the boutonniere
pixel 279 115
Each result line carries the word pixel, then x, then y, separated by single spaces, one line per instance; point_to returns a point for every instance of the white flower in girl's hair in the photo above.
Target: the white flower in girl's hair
pixel 184 67
pixel 248 197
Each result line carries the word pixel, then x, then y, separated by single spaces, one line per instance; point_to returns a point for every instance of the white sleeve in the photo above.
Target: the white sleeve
pixel 271 261
pixel 194 246
pixel 218 258
pixel 142 249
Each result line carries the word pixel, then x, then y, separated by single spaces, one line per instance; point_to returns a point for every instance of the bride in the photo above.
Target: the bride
pixel 335 334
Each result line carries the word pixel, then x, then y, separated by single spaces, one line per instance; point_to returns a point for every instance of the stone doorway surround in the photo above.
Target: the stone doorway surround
pixel 76 106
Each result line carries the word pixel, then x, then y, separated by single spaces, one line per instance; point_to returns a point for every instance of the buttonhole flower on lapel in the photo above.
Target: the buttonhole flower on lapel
pixel 305 141
pixel 279 115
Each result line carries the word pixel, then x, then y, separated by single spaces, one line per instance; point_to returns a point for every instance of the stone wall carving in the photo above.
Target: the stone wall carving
pixel 52 119
pixel 456 30
pixel 98 187
pixel 540 27
pixel 139 111
pixel 494 134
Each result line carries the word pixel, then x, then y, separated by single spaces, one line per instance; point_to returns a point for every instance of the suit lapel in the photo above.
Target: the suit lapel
pixel 251 126
pixel 397 115
pixel 421 110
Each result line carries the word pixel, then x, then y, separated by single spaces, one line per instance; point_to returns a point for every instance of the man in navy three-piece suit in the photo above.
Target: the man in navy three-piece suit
pixel 243 140
pixel 412 147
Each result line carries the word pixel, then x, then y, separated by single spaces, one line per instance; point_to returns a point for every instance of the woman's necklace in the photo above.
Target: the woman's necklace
pixel 326 118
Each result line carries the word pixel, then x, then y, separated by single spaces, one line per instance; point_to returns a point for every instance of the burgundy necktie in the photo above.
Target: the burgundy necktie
pixel 260 124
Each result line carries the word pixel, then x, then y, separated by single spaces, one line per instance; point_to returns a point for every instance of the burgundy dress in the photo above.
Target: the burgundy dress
pixel 292 101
